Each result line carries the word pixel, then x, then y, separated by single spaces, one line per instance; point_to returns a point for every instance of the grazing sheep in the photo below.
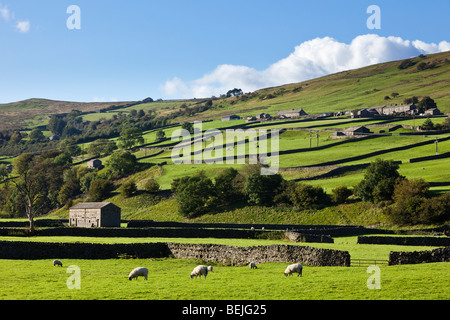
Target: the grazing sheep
pixel 199 271
pixel 138 272
pixel 57 263
pixel 294 268
pixel 252 265
pixel 210 268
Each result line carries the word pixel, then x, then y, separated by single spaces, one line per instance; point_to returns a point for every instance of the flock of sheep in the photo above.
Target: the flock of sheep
pixel 201 270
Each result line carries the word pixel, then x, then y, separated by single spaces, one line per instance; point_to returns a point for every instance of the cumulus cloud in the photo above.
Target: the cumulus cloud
pixel 8 15
pixel 311 59
pixel 23 26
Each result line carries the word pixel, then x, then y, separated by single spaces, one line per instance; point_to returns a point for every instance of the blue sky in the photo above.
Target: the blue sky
pixel 130 50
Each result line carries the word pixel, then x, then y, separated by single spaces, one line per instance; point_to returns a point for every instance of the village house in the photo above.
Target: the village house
pixel 231 118
pixel 432 112
pixel 263 116
pixel 95 215
pixel 292 114
pixel 352 132
pixel 407 109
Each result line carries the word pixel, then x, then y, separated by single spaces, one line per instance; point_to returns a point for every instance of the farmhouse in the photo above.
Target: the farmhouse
pixel 95 215
pixel 433 112
pixel 351 131
pixel 291 114
pixel 231 118
pixel 94 164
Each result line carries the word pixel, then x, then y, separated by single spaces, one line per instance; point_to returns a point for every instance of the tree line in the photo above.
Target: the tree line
pixel 407 202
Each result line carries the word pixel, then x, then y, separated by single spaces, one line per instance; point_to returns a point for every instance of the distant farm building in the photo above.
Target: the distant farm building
pixel 407 109
pixel 432 112
pixel 95 215
pixel 352 132
pixel 263 116
pixel 94 164
pixel 291 114
pixel 231 118
pixel 54 138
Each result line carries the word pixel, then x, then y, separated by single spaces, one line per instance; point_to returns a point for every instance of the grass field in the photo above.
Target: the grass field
pixel 169 278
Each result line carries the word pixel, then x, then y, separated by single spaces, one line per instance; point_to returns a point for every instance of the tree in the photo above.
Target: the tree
pixel 37 184
pixel 428 124
pixel 130 137
pixel 100 189
pixel 26 185
pixel 121 164
pixel 56 124
pixel 261 190
pixel 188 126
pixel 101 146
pixel 36 135
pixel 226 190
pixel 234 92
pixel 379 181
pixel 425 104
pixel 160 135
pixel 194 194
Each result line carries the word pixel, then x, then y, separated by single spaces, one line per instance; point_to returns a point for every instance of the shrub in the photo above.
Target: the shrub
pixel 151 186
pixel 100 189
pixel 340 194
pixel 306 196
pixel 128 189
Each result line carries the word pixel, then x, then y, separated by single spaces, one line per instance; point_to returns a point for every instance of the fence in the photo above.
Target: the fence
pixel 368 262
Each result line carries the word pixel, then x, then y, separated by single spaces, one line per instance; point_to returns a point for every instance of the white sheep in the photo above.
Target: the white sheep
pixel 138 272
pixel 294 268
pixel 199 271
pixel 252 265
pixel 210 268
pixel 57 263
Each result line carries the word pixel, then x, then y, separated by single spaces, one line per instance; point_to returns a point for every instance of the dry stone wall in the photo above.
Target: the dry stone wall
pixel 260 254
pixel 206 252
pixel 429 256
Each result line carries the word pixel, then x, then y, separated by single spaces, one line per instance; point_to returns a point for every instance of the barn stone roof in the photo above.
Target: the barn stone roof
pixel 91 205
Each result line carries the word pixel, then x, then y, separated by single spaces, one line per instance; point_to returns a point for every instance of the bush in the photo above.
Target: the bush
pixel 128 189
pixel 340 194
pixel 151 186
pixel 307 197
pixel 100 189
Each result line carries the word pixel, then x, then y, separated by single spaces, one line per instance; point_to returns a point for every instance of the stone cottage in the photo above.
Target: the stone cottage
pixel 95 215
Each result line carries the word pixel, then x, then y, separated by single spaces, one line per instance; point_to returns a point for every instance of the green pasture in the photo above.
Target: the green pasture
pixel 169 278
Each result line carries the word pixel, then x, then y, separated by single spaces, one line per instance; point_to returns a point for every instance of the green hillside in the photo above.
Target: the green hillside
pixel 350 90
pixel 308 152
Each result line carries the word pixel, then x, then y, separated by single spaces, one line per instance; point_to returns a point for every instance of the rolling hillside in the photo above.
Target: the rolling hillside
pixel 316 159
pixel 348 90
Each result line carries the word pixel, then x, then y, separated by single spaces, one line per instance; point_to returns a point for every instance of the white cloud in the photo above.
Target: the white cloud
pixel 311 59
pixel 23 26
pixel 8 15
pixel 4 12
